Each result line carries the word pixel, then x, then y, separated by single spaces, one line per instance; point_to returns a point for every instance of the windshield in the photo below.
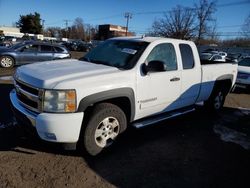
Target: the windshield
pixel 16 46
pixel 122 54
pixel 245 62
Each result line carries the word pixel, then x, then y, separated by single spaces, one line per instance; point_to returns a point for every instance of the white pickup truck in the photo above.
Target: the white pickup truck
pixel 125 81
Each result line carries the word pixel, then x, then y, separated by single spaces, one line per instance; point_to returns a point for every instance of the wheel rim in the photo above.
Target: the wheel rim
pixel 107 130
pixel 218 100
pixel 6 62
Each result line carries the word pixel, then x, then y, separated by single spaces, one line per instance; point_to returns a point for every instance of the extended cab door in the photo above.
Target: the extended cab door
pixel 159 91
pixel 191 74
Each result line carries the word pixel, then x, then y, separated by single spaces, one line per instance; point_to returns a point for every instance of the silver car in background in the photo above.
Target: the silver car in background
pixel 31 52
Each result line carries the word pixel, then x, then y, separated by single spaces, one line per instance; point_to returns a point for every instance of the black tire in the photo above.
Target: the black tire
pixel 7 62
pixel 105 123
pixel 216 100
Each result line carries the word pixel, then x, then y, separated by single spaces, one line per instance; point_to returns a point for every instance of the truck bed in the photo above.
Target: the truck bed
pixel 211 72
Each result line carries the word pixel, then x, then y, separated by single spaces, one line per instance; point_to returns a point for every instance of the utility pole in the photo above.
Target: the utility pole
pixel 43 25
pixel 66 24
pixel 128 16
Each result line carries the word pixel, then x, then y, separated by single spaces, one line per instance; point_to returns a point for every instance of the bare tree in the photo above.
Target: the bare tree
pixel 212 31
pixel 204 11
pixel 246 27
pixel 90 32
pixel 53 32
pixel 178 23
pixel 77 29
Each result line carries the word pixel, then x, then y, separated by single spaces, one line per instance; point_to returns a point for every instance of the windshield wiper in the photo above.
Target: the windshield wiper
pixel 100 62
pixel 97 62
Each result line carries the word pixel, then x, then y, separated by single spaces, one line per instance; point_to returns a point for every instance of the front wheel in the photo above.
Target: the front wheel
pixel 106 122
pixel 6 62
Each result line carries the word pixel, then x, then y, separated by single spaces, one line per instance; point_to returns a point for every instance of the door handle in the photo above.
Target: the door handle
pixel 175 79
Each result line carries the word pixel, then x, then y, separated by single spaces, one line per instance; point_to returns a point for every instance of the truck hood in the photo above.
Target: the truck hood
pixel 48 74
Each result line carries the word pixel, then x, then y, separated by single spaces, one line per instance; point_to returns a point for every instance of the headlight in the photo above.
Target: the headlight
pixel 59 101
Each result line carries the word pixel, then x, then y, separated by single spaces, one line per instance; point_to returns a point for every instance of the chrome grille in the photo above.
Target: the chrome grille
pixel 29 96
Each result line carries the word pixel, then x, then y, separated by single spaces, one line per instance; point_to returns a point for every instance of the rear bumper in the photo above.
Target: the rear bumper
pixel 61 128
pixel 242 83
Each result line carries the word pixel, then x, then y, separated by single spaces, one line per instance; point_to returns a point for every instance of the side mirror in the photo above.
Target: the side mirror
pixel 154 66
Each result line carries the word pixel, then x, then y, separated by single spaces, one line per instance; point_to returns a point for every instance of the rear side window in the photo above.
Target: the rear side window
pixel 46 48
pixel 58 49
pixel 187 56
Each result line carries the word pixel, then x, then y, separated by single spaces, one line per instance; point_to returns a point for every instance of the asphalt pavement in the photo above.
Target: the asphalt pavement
pixel 196 150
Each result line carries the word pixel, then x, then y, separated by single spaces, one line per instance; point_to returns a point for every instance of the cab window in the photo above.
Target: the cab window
pixel 166 53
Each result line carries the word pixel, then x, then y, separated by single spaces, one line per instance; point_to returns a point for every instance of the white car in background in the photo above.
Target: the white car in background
pixel 223 55
pixel 243 77
pixel 212 57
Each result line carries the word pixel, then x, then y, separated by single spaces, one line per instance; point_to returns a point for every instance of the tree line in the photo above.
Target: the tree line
pixel 31 23
pixel 194 23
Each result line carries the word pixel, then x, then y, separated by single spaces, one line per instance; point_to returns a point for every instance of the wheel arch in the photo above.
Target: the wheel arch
pixel 224 81
pixel 122 97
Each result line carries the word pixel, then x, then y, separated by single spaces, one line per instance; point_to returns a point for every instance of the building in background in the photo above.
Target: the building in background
pixel 11 32
pixel 108 31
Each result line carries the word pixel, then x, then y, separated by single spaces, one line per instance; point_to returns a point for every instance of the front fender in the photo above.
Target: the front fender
pixel 108 95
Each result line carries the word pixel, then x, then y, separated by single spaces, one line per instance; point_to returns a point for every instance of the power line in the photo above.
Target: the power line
pixel 228 26
pixel 225 33
pixel 219 5
pixel 54 23
pixel 233 3
pixel 159 11
pixel 107 17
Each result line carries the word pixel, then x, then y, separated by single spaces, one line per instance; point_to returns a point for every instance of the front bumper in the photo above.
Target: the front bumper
pixel 52 127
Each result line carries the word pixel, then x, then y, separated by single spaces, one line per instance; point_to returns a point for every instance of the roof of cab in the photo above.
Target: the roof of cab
pixel 149 39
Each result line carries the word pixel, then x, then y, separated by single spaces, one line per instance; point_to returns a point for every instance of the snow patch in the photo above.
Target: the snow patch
pixel 8 125
pixel 244 111
pixel 230 135
pixel 6 78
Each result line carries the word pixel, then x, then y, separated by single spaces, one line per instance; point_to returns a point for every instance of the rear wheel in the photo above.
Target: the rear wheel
pixel 216 100
pixel 6 62
pixel 106 122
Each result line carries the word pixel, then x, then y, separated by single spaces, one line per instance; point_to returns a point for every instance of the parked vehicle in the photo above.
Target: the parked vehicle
pixel 223 55
pixel 212 57
pixel 30 52
pixel 122 82
pixel 235 57
pixel 78 46
pixel 243 77
pixel 211 51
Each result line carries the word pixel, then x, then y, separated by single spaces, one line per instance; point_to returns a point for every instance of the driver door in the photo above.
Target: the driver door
pixel 160 91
